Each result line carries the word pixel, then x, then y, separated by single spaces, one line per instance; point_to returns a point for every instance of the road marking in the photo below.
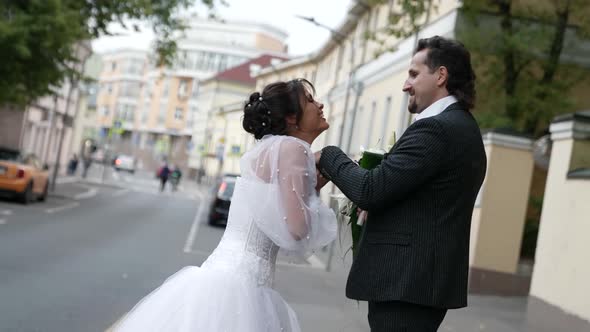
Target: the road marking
pixel 120 192
pixel 2 221
pixel 63 207
pixel 67 180
pixel 116 176
pixel 90 193
pixel 192 235
pixel 6 212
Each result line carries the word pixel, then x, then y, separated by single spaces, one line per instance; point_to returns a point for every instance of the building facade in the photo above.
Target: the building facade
pixel 151 111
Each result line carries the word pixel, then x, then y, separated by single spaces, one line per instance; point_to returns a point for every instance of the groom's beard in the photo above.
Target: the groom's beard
pixel 412 107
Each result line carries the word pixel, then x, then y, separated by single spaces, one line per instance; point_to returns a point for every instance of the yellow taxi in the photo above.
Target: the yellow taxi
pixel 23 177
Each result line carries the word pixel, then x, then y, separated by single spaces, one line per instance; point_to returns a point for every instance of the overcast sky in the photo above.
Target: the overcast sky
pixel 303 38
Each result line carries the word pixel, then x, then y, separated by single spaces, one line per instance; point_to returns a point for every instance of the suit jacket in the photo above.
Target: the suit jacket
pixel 415 244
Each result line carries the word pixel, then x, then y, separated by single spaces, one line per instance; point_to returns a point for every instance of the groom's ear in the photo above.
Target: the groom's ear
pixel 442 76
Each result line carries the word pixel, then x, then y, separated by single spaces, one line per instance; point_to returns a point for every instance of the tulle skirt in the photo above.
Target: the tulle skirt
pixel 210 300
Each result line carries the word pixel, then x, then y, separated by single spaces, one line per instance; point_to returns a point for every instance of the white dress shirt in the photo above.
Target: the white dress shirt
pixel 436 108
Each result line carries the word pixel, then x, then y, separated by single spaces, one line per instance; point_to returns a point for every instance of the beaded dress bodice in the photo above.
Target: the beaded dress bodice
pixel 244 249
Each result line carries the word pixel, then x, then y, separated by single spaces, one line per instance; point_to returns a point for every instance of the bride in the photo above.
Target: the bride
pixel 275 205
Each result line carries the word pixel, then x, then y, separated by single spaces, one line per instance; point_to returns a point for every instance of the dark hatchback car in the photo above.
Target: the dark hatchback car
pixel 222 200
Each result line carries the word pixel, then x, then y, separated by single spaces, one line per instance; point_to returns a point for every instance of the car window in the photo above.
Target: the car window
pixel 31 160
pixel 226 189
pixel 10 155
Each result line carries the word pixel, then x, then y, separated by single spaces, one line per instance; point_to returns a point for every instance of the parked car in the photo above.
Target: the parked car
pixel 23 177
pixel 124 163
pixel 222 200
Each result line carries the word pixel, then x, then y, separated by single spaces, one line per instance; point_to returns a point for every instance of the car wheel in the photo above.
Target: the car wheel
pixel 27 196
pixel 43 196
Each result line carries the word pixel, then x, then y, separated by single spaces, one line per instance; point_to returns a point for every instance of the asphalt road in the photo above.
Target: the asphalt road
pixel 81 260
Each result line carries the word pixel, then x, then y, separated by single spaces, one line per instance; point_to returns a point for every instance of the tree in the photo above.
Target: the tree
pixel 517 47
pixel 38 38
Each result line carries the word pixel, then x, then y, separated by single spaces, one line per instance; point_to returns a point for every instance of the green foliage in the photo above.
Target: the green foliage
pixel 38 38
pixel 517 47
pixel 531 228
pixel 405 17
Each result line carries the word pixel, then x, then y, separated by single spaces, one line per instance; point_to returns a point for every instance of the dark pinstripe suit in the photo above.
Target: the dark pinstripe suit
pixel 414 249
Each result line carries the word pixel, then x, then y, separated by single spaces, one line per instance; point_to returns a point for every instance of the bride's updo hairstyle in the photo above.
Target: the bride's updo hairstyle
pixel 266 113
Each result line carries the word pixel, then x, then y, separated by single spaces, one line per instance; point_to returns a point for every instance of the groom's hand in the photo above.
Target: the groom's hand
pixel 320 181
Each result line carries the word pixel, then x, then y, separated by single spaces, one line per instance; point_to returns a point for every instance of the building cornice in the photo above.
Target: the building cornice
pixel 508 141
pixel 571 126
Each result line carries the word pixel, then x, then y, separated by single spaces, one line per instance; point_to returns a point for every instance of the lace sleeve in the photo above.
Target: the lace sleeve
pixel 288 210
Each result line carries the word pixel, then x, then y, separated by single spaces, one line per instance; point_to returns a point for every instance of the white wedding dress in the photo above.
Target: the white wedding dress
pixel 274 206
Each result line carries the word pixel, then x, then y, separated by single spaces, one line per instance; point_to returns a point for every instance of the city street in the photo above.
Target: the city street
pixel 79 263
pixel 81 260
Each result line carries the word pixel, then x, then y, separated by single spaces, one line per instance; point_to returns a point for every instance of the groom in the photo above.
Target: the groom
pixel 412 261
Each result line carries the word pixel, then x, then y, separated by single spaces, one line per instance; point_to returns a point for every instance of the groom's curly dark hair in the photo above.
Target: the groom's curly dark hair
pixel 453 55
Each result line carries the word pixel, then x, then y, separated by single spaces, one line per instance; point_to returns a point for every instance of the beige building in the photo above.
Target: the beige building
pixel 45 127
pixel 87 115
pixel 217 131
pixel 153 110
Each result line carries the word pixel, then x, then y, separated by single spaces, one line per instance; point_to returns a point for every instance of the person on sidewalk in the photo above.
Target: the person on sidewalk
pixel 413 254
pixel 73 165
pixel 163 175
pixel 175 177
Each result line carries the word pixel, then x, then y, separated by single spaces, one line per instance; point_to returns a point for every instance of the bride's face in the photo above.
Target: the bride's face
pixel 312 119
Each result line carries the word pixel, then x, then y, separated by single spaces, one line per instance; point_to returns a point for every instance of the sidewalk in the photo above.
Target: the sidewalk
pixel 483 313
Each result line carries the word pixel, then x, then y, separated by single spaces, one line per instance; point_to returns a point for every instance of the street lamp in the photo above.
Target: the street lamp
pixel 339 35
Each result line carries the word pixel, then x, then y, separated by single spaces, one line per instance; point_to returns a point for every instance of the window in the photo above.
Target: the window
pixel 210 66
pixel 340 56
pixel 144 115
pixel 182 60
pixel 165 88
pixel 223 62
pixel 376 18
pixel 104 111
pixel 129 89
pixel 162 115
pixel 386 111
pixel 182 88
pixel 191 117
pixel 200 60
pixel 195 89
pixel 368 129
pixel 130 113
pixel 113 65
pixel 178 114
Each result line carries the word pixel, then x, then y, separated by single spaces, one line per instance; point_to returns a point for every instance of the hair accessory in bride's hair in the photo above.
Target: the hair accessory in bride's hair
pixel 248 105
pixel 260 98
